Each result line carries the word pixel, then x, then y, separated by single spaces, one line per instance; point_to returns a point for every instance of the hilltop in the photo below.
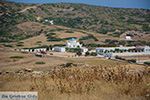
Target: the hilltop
pixel 88 23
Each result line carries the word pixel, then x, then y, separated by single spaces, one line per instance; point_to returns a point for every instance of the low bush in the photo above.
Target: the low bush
pixel 68 64
pixel 19 45
pixel 147 63
pixel 87 53
pixel 40 63
pixel 132 60
pixel 69 32
pixel 7 45
pixel 51 53
pixel 16 57
pixel 93 54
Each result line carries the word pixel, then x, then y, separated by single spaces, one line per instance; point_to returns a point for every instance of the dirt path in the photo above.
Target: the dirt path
pixel 30 8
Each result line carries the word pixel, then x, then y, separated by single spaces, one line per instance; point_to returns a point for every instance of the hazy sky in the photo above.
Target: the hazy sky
pixel 109 3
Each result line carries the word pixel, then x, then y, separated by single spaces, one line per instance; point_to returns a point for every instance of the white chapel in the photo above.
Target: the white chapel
pixel 73 43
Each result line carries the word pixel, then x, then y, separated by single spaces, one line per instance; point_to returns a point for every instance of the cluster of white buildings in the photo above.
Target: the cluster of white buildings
pixel 123 51
pixel 32 50
pixel 71 44
pixel 104 51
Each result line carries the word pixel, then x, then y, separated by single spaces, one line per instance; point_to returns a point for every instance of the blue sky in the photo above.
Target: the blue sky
pixel 145 4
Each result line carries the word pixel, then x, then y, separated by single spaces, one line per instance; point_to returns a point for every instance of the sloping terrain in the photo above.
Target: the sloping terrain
pixel 89 24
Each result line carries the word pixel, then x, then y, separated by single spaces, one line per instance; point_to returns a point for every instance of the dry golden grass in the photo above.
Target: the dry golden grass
pixel 82 83
pixel 63 34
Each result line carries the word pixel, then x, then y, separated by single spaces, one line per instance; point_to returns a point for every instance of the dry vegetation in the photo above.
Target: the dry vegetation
pixel 138 57
pixel 82 83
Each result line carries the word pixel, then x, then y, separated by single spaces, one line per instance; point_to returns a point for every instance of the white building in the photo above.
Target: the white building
pixel 59 49
pixel 127 38
pixel 123 51
pixel 51 21
pixel 84 50
pixel 39 50
pixel 73 43
pixel 32 50
pixel 101 51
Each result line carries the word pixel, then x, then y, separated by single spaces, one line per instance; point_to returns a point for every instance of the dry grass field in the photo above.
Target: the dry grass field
pixel 100 79
pixel 29 60
pixel 82 83
pixel 138 57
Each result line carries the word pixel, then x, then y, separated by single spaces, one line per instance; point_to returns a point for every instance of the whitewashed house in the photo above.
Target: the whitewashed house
pixel 31 50
pixel 26 50
pixel 127 38
pixel 45 20
pixel 59 49
pixel 73 43
pixel 51 21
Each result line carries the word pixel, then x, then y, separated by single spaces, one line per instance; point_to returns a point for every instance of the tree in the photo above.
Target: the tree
pixel 93 54
pixel 79 53
pixel 87 53
pixel 116 56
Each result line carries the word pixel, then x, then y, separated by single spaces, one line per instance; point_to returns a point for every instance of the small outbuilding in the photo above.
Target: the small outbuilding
pixel 84 49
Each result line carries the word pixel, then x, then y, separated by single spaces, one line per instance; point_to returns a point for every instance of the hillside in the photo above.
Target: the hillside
pixel 88 23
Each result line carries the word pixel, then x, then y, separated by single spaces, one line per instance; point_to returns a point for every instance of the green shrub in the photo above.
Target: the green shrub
pixel 61 11
pixel 38 41
pixel 145 27
pixel 87 53
pixel 52 33
pixel 88 37
pixel 68 64
pixel 147 63
pixel 51 53
pixel 79 53
pixel 60 29
pixel 16 57
pixel 116 56
pixel 47 12
pixel 19 45
pixel 20 42
pixel 52 30
pixel 132 60
pixel 69 32
pixel 116 34
pixel 7 45
pixel 40 63
pixel 93 54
